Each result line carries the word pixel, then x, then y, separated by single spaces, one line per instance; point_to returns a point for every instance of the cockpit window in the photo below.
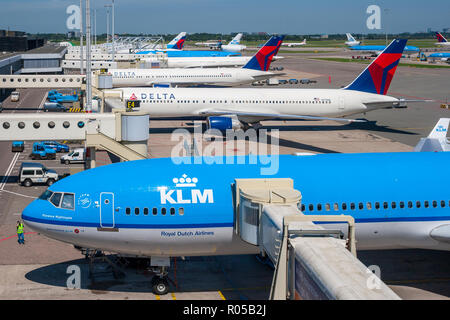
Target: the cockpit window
pixel 46 195
pixel 56 199
pixel 68 201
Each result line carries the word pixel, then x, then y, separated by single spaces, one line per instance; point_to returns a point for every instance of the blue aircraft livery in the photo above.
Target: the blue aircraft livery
pixel 164 208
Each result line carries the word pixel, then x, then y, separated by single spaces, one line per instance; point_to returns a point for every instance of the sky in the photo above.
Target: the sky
pixel 230 16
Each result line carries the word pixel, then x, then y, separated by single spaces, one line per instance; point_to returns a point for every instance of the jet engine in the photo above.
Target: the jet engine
pixel 223 123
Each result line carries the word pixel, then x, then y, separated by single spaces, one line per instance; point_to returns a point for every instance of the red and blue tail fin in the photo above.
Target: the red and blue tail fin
pixel 262 59
pixel 440 37
pixel 377 77
pixel 177 42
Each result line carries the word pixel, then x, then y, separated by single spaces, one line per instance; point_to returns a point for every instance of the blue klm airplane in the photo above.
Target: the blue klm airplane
pixel 161 208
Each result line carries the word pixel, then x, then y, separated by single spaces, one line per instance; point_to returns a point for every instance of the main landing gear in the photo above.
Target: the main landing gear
pixel 160 281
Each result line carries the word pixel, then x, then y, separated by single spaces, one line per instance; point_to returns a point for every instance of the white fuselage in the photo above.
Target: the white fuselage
pixel 192 76
pixel 352 43
pixel 233 47
pixel 444 44
pixel 162 102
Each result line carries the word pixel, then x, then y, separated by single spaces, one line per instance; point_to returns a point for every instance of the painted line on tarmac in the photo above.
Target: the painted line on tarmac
pixel 221 295
pixel 173 296
pixel 18 194
pixel 8 171
pixel 10 237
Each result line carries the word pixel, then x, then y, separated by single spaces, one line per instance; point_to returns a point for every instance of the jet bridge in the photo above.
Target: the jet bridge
pixel 311 262
pixel 124 134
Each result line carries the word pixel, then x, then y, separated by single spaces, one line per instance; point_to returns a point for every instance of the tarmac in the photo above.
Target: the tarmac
pixel 41 268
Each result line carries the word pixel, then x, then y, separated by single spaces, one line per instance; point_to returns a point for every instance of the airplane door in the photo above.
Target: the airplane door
pixel 341 103
pixel 107 210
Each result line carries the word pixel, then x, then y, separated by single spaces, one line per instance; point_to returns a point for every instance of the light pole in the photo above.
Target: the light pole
pixel 88 59
pixel 81 38
pixel 107 6
pixel 385 13
pixel 113 49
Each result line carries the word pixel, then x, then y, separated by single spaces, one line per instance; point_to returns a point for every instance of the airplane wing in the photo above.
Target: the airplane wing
pixel 265 116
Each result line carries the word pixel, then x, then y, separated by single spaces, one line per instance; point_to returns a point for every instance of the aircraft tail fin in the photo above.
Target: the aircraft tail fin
pixel 437 139
pixel 177 42
pixel 440 37
pixel 236 39
pixel 262 59
pixel 350 37
pixel 377 77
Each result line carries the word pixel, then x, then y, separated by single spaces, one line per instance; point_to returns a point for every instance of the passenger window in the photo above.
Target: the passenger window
pixel 172 211
pixel 136 211
pixel 181 211
pixel 369 205
pixel 319 207
pixel 361 206
pixel 402 204
pixel 352 206
pixel 426 204
pixel 163 211
pixel 327 207
pixel 145 211
pixel 442 203
pixel 385 205
pixel 56 199
pixel 393 205
pixel 68 201
pixel 28 172
pixel 336 207
pixel 344 206
pixel 127 211
pixel 418 204
pixel 410 204
pixel 377 205
pixel 39 173
pixel 303 207
pixel 155 211
pixel 434 203
pixel 311 207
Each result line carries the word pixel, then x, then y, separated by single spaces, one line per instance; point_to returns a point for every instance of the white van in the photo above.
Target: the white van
pixel 15 96
pixel 77 155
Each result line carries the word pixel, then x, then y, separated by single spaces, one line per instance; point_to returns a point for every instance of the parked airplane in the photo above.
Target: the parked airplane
pixel 233 108
pixel 254 70
pixel 212 44
pixel 160 208
pixel 378 49
pixel 351 41
pixel 444 56
pixel 295 44
pixel 178 42
pixel 441 40
pixel 202 62
pixel 234 45
pixel 437 139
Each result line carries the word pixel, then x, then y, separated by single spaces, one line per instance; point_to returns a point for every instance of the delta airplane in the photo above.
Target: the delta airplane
pixel 234 45
pixel 295 44
pixel 234 108
pixel 254 70
pixel 351 41
pixel 441 40
pixel 171 207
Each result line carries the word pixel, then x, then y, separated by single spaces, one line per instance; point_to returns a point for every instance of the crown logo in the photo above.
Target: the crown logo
pixel 185 181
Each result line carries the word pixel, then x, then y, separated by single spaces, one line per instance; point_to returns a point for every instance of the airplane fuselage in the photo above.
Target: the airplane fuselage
pixel 314 102
pixel 159 207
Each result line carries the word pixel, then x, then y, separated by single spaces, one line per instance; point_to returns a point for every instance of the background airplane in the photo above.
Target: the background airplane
pixel 351 41
pixel 295 44
pixel 437 139
pixel 254 70
pixel 377 49
pixel 441 40
pixel 234 45
pixel 233 108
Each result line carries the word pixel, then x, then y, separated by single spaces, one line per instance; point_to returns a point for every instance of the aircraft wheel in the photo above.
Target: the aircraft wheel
pixel 160 286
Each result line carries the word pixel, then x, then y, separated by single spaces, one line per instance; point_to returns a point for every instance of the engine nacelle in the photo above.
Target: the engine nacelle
pixel 223 123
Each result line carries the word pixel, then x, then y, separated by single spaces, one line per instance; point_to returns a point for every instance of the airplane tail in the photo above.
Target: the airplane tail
pixel 177 42
pixel 350 37
pixel 440 37
pixel 236 39
pixel 437 139
pixel 262 59
pixel 304 41
pixel 377 77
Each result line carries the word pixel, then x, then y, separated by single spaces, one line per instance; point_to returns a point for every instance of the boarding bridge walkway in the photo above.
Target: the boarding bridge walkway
pixel 311 262
pixel 41 81
pixel 117 56
pixel 124 134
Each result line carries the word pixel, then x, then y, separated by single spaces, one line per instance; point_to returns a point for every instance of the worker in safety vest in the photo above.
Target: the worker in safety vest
pixel 20 237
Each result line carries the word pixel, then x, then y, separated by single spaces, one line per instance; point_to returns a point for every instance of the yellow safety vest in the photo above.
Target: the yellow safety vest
pixel 20 228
